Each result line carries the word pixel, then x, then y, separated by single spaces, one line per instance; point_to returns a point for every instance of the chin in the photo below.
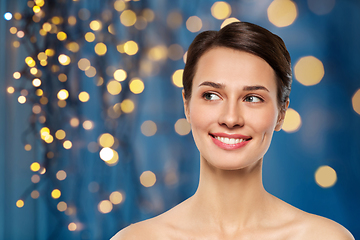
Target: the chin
pixel 232 165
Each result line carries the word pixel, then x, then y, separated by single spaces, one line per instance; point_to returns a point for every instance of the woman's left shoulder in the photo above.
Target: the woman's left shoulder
pixel 317 227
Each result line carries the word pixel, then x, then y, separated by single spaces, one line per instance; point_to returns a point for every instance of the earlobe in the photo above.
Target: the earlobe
pixel 186 107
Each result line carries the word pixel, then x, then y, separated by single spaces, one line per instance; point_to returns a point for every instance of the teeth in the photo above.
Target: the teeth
pixel 230 140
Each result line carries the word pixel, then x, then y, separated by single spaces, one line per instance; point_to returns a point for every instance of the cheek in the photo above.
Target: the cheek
pixel 263 121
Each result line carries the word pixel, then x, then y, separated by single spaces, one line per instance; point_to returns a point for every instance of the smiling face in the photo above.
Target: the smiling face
pixel 233 108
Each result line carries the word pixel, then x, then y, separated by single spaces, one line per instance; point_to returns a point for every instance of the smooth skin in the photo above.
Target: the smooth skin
pixel 234 92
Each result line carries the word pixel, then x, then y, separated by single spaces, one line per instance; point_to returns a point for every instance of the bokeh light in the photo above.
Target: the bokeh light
pixel 221 10
pixel 114 87
pixel 177 78
pixel 228 21
pixel 8 16
pixel 128 18
pixel 356 101
pixel 194 24
pixel 100 49
pixel 292 121
pixel 148 128
pixel 282 13
pixel 67 144
pixel 106 140
pixel 56 193
pixel 35 194
pixel 19 203
pixel 148 179
pixel 61 175
pixel 95 25
pixel 127 106
pixel 309 70
pixel 116 197
pixel 35 166
pixel 131 47
pixel 182 127
pixel 136 86
pixel 88 125
pixel 60 134
pixel 64 59
pixel 63 94
pixel 120 75
pixel 105 206
pixel 321 7
pixel 72 226
pixel 325 176
pixel 62 206
pixel 84 96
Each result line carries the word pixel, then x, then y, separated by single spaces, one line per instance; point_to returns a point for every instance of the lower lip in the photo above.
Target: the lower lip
pixel 229 146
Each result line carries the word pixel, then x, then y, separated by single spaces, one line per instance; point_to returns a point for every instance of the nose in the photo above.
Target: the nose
pixel 231 116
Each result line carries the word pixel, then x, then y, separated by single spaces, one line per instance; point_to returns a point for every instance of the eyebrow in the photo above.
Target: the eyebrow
pixel 222 86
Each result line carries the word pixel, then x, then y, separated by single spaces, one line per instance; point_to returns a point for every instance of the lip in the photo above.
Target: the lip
pixel 230 146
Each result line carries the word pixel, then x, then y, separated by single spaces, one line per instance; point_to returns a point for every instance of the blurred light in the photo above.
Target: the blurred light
pixel 10 90
pixel 44 100
pixel 55 193
pixel 127 106
pixel 30 4
pixel 282 13
pixel 84 96
pixel 72 20
pixel 36 82
pixel 95 25
pixel 50 155
pixel 62 206
pixel 177 78
pixel 116 197
pixel 35 178
pixel 84 64
pixel 21 99
pixel 16 44
pixel 91 72
pixel 19 203
pixel 131 48
pixel 120 75
pixel 309 70
pixel 62 77
pixel 120 48
pixel 50 52
pixel 16 75
pixel 30 61
pixel 8 16
pixel 111 29
pixel 174 20
pixel 114 160
pixel 93 147
pixel 60 134
pixel 228 21
pixel 42 170
pixel 61 36
pixel 61 103
pixel 158 53
pixel 17 16
pixel 147 179
pixel 175 52
pixel 148 14
pixel 36 109
pixel 35 166
pixel 182 127
pixel 356 101
pixel 136 86
pixel 141 23
pixel 119 5
pixel 20 34
pixel 13 30
pixel 72 226
pixel 73 46
pixel 114 87
pixel 36 9
pixel 194 24
pixel 114 111
pixel 74 122
pixel 56 20
pixel 292 121
pixel 89 37
pixel 67 144
pixel 24 92
pixel 321 7
pixel 221 10
pixel 61 175
pixel 27 147
pixel 33 71
pixel 93 187
pixel 48 139
pixel 128 18
pixel 88 125
pixel 63 94
pixel 64 59
pixel 47 27
pixel 148 128
pixel 100 49
pixel 70 211
pixel 106 154
pixel 105 206
pixel 106 140
pixel 84 14
pixel 325 176
pixel 35 194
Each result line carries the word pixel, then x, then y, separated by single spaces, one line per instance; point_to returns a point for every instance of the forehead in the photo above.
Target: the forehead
pixel 234 67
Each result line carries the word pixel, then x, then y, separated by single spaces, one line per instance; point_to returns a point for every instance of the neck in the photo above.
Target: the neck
pixel 231 198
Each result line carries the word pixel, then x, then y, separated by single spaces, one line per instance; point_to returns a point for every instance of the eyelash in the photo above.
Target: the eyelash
pixel 246 99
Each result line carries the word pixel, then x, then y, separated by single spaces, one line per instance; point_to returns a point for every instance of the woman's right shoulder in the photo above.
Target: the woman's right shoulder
pixel 140 230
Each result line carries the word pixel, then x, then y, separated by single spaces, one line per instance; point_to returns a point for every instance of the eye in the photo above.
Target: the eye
pixel 253 99
pixel 210 96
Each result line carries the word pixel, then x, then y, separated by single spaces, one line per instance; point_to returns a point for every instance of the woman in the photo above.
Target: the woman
pixel 237 83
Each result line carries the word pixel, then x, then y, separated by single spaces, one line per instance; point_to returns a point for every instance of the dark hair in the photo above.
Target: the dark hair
pixel 249 38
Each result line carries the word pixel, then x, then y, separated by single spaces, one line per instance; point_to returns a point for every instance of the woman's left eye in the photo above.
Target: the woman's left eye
pixel 253 99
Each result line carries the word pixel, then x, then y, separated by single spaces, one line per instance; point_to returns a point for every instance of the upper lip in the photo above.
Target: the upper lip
pixel 230 135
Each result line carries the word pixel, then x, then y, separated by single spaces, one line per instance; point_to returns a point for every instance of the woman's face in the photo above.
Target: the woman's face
pixel 233 108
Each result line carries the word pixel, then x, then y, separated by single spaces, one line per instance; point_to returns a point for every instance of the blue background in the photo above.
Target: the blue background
pixel 328 134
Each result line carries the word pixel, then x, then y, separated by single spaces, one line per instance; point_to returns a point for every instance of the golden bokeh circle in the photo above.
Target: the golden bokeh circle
pixel 182 127
pixel 148 179
pixel 220 10
pixel 309 70
pixel 282 13
pixel 194 24
pixel 148 128
pixel 292 121
pixel 356 101
pixel 325 176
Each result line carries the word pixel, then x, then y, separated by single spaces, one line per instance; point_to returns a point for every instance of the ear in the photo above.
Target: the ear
pixel 281 116
pixel 186 107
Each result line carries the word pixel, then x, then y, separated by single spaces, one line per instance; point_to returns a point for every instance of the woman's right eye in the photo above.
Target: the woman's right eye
pixel 210 96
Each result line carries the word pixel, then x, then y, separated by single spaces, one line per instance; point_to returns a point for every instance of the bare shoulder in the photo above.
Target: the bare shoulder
pixel 317 227
pixel 140 230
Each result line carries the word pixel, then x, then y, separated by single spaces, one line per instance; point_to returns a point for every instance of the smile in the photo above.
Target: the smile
pixel 230 142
